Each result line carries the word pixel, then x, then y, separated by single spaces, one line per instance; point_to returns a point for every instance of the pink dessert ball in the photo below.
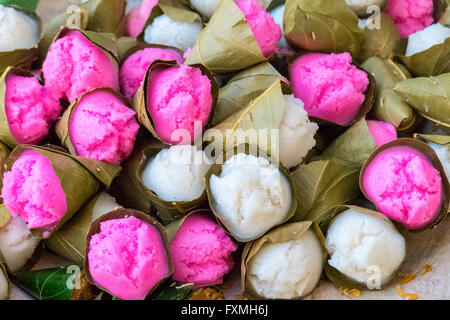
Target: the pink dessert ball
pixel 137 17
pixel 102 127
pixel 179 99
pixel 266 31
pixel 382 132
pixel 201 252
pixel 134 68
pixel 32 191
pixel 74 65
pixel 127 257
pixel 411 16
pixel 404 185
pixel 30 108
pixel 329 85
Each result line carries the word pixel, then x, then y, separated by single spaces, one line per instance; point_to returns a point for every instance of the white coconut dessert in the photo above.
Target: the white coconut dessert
pixel 173 33
pixel 17 244
pixel 251 196
pixel 207 7
pixel 177 173
pixel 363 246
pixel 426 38
pixel 296 133
pixel 443 153
pixel 277 14
pixel 4 285
pixel 287 270
pixel 362 7
pixel 17 30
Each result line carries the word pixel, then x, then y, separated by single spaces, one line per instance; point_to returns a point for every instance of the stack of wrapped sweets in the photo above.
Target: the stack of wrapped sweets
pixel 209 149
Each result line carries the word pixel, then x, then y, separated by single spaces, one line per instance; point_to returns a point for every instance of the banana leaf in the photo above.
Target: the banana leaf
pixel 175 292
pixel 389 106
pixel 4 274
pixel 61 283
pixel 429 96
pixel 434 138
pixel 28 5
pixel 119 214
pixel 4 154
pixel 322 25
pixel 227 43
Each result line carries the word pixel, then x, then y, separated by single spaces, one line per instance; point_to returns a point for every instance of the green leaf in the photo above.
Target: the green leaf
pixel 175 292
pixel 429 96
pixel 321 187
pixel 29 5
pixel 323 25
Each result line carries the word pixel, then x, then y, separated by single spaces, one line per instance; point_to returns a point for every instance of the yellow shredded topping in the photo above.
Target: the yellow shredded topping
pixel 207 294
pixel 426 268
pixel 406 296
pixel 408 277
pixel 351 292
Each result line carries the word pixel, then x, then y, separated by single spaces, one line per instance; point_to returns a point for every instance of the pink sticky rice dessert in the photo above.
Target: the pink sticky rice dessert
pixel 404 185
pixel 382 132
pixel 30 109
pixel 201 252
pixel 135 66
pixel 32 191
pixel 266 31
pixel 179 100
pixel 137 17
pixel 127 258
pixel 102 127
pixel 410 16
pixel 329 85
pixel 74 65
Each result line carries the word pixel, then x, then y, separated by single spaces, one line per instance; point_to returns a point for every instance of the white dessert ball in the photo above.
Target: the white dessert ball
pixel 277 14
pixel 443 153
pixel 105 203
pixel 17 30
pixel 177 173
pixel 288 269
pixel 17 244
pixel 251 195
pixel 426 38
pixel 360 244
pixel 4 285
pixel 173 33
pixel 296 133
pixel 205 7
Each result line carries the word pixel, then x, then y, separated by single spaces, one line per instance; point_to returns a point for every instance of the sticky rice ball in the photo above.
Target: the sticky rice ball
pixel 177 173
pixel 358 241
pixel 277 15
pixel 137 15
pixel 329 85
pixel 164 30
pixel 127 257
pixel 267 33
pixel 205 7
pixel 178 98
pixel 201 251
pixel 134 68
pixel 426 38
pixel 288 269
pixel 74 65
pixel 382 132
pixel 410 15
pixel 17 30
pixel 404 185
pixel 17 244
pixel 102 127
pixel 30 108
pixel 443 153
pixel 32 191
pixel 296 133
pixel 251 195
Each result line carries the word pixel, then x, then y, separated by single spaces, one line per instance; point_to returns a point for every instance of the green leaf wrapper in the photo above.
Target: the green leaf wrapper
pixel 118 214
pixel 434 138
pixel 174 292
pixel 105 16
pixel 353 147
pixel 430 62
pixel 216 169
pixel 78 182
pixel 284 233
pixel 429 96
pixel 21 57
pixel 389 106
pixel 5 273
pixel 429 153
pixel 28 5
pixel 227 43
pixel 4 154
pixel 140 99
pixel 383 42
pixel 322 25
pixel 61 283
pixel 69 241
pixel 130 191
pixel 321 187
pixel 5 215
pixel 244 87
pixel 339 279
